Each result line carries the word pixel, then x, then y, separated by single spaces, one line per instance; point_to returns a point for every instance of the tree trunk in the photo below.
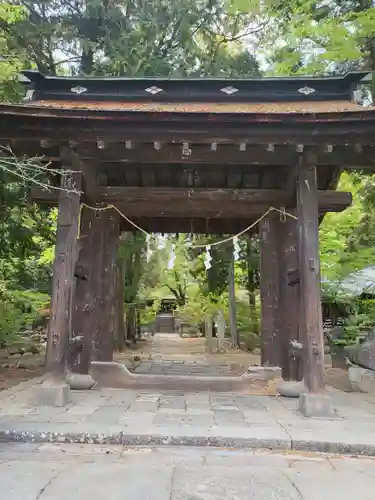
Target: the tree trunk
pixel 232 305
pixel 132 277
pixel 131 331
pixel 138 323
pixel 87 62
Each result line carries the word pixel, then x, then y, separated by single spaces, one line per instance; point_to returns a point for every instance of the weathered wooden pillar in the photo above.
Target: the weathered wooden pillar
pixel 85 307
pixel 96 297
pixel 289 299
pixel 270 290
pixel 313 403
pixel 104 334
pixel 63 273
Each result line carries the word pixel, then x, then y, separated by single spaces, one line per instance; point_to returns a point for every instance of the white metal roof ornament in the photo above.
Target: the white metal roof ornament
pixel 306 90
pixel 154 90
pixel 78 90
pixel 229 90
pixel 29 96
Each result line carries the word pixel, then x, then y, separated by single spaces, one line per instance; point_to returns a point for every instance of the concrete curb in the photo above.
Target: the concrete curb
pixel 334 447
pixel 121 438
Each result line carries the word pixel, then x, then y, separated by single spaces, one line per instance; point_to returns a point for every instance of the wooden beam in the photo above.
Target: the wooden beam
pixel 117 153
pixel 63 271
pixel 207 202
pixel 311 313
pixel 104 333
pixel 293 277
pixel 289 298
pixel 270 290
pixel 189 129
pixel 85 306
pixel 228 154
pixel 89 174
pixel 199 153
pixel 187 225
pixel 289 182
pixel 95 305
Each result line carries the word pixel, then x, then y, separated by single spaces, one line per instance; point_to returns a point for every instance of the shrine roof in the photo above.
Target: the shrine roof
pixel 187 90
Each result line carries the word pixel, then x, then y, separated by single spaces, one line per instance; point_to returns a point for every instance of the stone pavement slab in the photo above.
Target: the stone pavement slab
pixel 242 482
pixel 80 472
pixel 182 367
pixel 110 416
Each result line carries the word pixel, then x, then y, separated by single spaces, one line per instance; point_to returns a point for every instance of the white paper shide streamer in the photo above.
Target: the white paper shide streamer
pixel 207 258
pixel 236 248
pixel 172 258
pixel 148 251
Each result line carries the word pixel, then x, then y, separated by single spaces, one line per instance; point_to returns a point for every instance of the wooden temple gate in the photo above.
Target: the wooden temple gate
pixel 194 156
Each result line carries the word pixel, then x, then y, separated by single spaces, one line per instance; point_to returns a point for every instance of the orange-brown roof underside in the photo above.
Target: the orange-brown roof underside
pixel 154 107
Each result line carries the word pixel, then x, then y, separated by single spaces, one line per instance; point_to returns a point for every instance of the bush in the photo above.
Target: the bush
pixel 19 310
pixel 251 340
pixel 10 323
pixel 32 306
pixel 245 322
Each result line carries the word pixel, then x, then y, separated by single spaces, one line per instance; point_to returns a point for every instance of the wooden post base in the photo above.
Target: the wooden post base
pixel 53 393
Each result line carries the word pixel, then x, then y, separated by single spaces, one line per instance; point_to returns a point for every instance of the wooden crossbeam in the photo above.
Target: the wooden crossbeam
pixel 120 154
pixel 188 130
pixel 345 156
pixel 187 225
pixel 170 202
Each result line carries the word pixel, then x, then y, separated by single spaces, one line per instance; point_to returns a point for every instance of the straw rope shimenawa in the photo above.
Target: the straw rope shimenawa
pixel 216 243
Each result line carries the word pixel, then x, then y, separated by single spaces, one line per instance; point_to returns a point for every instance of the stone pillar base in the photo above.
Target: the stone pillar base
pixel 53 394
pixel 362 379
pixel 315 405
pixel 211 345
pixel 80 381
pixel 291 388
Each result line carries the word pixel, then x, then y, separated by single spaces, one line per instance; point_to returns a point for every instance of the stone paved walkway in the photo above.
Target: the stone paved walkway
pixel 60 472
pixel 74 472
pixel 170 345
pixel 172 355
pixel 144 418
pixel 183 367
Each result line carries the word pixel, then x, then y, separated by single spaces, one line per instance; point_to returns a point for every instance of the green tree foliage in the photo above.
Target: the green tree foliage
pixel 341 249
pixel 305 36
pixel 26 231
pixel 11 57
pixel 134 37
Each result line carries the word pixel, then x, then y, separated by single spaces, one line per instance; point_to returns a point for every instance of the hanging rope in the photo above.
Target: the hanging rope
pixel 216 243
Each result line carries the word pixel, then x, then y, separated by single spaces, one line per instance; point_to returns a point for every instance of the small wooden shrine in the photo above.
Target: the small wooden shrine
pixel 195 156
